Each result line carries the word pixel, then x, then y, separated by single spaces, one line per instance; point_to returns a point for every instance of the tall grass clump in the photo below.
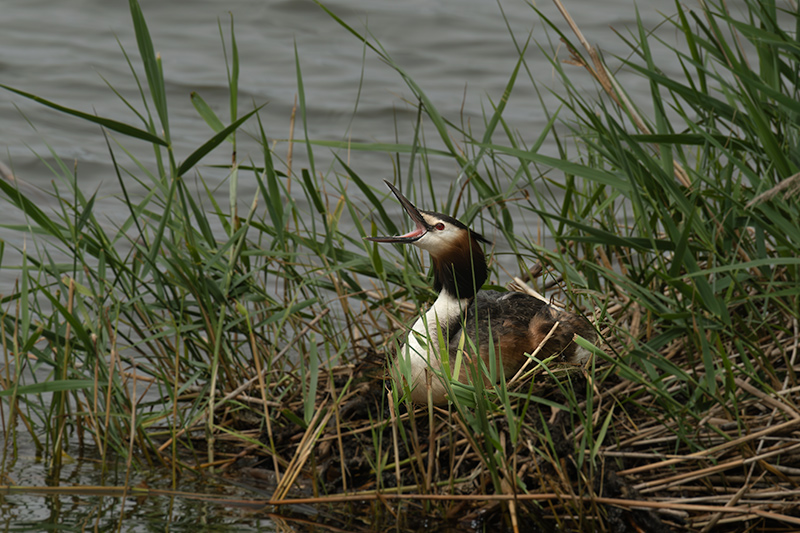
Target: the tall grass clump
pixel 196 337
pixel 145 337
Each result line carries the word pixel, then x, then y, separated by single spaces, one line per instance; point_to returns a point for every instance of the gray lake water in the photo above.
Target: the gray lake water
pixel 459 51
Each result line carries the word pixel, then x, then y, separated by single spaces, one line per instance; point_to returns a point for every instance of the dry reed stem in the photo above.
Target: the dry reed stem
pixel 626 503
pixel 263 391
pixel 304 451
pixel 290 150
pixel 610 85
pixel 543 497
pixel 519 285
pixel 777 401
pixel 528 360
pixel 260 375
pixel 431 437
pixel 711 451
pixel 131 444
pixel 395 438
pixel 339 442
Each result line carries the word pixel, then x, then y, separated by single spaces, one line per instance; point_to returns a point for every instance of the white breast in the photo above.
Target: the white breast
pixel 421 350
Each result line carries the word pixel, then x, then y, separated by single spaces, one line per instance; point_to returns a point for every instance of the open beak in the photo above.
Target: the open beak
pixel 421 229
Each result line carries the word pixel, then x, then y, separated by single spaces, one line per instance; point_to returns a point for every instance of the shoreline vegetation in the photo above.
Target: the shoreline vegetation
pixel 252 346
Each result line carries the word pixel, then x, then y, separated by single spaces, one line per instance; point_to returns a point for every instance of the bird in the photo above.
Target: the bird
pixel 515 323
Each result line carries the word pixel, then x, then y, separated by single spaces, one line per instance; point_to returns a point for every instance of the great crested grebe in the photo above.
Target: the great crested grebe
pixel 516 322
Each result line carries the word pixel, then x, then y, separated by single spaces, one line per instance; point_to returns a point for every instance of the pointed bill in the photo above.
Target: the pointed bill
pixel 421 228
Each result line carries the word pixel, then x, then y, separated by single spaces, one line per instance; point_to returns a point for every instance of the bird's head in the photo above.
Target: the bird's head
pixel 436 233
pixel 458 259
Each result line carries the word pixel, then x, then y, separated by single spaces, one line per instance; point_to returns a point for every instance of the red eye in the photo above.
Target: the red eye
pixel 439 226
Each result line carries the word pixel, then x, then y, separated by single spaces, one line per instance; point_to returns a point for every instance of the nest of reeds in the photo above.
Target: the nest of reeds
pixel 568 448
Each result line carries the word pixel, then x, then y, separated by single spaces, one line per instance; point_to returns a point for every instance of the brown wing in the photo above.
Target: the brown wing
pixel 518 324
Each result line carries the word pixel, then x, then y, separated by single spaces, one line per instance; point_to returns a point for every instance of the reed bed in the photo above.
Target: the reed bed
pixel 254 346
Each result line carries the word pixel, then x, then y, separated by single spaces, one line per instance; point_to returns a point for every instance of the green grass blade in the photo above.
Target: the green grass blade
pixel 212 143
pixel 113 125
pixel 152 66
pixel 205 111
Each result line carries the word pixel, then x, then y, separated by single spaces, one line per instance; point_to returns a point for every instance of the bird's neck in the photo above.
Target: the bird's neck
pixel 460 273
